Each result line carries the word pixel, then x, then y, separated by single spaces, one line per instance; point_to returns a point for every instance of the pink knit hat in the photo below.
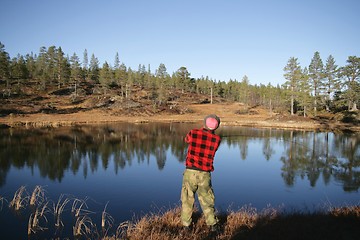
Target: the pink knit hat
pixel 212 122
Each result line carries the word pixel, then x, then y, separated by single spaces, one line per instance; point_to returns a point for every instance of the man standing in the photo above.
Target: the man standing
pixel 203 144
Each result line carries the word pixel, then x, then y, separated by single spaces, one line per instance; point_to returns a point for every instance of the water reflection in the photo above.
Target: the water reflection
pixel 82 149
pixel 54 151
pixel 307 154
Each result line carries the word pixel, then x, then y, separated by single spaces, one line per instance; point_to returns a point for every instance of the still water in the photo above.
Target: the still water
pixel 136 169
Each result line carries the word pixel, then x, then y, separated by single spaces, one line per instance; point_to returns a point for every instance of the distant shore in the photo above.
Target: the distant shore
pixel 95 117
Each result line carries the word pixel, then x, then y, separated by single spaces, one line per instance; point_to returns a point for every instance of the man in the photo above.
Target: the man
pixel 203 144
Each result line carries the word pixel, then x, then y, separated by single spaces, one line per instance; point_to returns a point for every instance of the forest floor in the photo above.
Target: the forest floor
pixel 233 114
pixel 59 108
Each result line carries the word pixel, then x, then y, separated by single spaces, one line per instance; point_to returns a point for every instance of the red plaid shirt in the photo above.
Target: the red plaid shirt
pixel 203 144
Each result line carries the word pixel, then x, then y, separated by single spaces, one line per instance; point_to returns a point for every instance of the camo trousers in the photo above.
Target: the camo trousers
pixel 197 182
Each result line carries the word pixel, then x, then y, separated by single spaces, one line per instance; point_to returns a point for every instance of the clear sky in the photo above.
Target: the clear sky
pixel 223 39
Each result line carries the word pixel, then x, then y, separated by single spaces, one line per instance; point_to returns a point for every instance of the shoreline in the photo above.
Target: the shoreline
pixel 247 222
pixel 97 117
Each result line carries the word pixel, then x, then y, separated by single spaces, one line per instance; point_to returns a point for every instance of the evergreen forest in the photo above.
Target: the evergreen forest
pixel 323 86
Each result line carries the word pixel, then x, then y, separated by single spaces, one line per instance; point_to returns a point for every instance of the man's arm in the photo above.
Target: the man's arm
pixel 188 137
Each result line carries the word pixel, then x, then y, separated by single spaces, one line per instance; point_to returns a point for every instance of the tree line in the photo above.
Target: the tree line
pixel 307 90
pixel 323 86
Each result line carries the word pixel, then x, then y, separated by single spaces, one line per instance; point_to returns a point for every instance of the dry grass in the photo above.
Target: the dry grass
pixel 167 225
pixel 245 223
pixel 37 196
pixel 20 199
pixel 107 221
pixel 83 227
pixel 58 210
pixel 2 200
pixel 79 207
pixel 35 218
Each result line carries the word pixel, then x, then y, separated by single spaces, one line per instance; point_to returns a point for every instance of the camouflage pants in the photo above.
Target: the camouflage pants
pixel 197 182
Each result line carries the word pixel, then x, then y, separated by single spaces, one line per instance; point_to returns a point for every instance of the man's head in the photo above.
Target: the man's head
pixel 211 122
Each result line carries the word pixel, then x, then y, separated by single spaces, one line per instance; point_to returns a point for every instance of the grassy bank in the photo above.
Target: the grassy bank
pixel 248 223
pixel 45 217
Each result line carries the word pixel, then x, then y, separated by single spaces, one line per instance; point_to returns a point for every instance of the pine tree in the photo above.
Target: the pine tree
pixel 4 65
pixel 31 65
pixel 42 67
pixel 233 90
pixel 244 90
pixel 116 61
pixel 86 64
pixel 141 73
pixel 18 69
pixel 351 73
pixel 129 82
pixel 316 74
pixel 161 76
pixel 76 73
pixel 63 71
pixel 331 81
pixel 105 76
pixel 304 86
pixel 292 75
pixel 94 68
pixel 51 63
pixel 183 77
pixel 120 76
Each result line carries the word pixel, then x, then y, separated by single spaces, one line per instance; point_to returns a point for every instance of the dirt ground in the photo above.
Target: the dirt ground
pixel 234 114
pixel 55 107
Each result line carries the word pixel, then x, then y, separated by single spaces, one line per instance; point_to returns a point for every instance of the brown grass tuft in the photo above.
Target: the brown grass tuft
pixel 353 211
pixel 37 196
pixel 20 199
pixel 79 207
pixel 2 200
pixel 248 223
pixel 36 217
pixel 58 210
pixel 245 223
pixel 107 221
pixel 83 226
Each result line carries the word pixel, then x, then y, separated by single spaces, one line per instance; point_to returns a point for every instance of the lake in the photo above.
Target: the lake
pixel 136 169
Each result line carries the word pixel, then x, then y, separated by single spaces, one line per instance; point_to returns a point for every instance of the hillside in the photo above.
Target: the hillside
pixel 55 107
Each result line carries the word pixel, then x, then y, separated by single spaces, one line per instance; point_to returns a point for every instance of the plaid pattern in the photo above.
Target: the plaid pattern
pixel 203 144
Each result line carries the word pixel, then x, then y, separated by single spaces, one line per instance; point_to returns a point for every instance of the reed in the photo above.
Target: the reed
pixel 83 226
pixel 121 230
pixel 37 196
pixel 245 223
pixel 107 221
pixel 2 200
pixel 20 199
pixel 78 207
pixel 34 219
pixel 58 210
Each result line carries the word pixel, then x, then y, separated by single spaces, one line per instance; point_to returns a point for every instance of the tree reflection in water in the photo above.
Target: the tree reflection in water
pixel 81 149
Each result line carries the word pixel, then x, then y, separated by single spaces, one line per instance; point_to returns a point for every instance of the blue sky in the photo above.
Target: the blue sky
pixel 224 39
